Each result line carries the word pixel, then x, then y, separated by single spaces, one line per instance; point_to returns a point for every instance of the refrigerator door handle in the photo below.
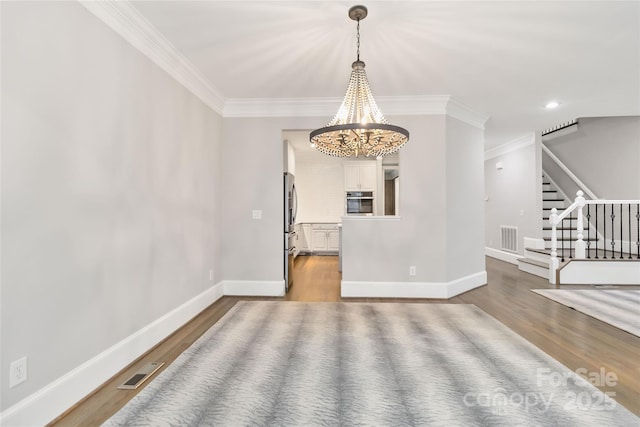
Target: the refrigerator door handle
pixel 295 204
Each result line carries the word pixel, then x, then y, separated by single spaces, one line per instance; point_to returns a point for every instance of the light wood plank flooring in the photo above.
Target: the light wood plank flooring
pixel 574 339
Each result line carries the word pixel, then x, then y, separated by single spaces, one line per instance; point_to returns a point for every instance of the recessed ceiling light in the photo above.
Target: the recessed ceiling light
pixel 551 105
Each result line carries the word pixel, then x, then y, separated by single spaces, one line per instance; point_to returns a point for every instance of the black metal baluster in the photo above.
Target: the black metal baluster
pixel 621 231
pixel 638 229
pixel 562 238
pixel 596 206
pixel 589 231
pixel 604 231
pixel 630 231
pixel 570 237
pixel 613 233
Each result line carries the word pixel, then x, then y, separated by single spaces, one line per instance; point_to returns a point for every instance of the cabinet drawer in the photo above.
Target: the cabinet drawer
pixel 324 226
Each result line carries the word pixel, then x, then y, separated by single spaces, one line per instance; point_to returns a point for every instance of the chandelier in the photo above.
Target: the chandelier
pixel 359 128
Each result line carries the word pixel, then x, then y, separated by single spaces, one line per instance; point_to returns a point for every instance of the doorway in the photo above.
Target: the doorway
pixel 317 279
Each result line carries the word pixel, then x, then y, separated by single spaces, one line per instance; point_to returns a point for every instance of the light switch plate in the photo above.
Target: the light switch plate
pixel 256 214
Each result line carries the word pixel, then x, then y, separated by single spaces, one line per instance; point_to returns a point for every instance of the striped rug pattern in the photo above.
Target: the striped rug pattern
pixel 620 308
pixel 327 364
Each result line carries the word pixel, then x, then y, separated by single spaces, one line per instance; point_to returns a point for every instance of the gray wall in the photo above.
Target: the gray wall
pixel 381 250
pixel 465 199
pixel 441 220
pixel 514 195
pixel 604 153
pixel 110 173
pixel 252 180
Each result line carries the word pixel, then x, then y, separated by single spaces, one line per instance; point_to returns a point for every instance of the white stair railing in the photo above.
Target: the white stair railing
pixel 632 225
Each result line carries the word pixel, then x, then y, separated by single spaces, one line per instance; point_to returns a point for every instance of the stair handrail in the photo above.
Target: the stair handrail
pixel 580 245
pixel 570 174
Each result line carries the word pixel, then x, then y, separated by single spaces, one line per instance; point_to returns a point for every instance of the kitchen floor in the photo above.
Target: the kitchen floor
pixel 315 278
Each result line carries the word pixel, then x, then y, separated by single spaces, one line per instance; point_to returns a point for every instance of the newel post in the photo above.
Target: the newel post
pixel 553 260
pixel 580 244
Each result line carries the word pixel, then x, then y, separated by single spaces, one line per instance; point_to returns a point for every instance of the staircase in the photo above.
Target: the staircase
pixel 536 259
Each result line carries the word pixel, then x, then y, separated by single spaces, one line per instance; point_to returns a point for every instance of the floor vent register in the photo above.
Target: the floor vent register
pixel 141 376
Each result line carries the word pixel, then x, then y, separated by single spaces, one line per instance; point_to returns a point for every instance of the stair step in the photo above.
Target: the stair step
pixel 553 200
pixel 572 239
pixel 564 228
pixel 533 262
pixel 534 267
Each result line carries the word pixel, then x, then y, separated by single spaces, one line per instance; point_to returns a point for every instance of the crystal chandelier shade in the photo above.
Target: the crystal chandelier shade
pixel 359 127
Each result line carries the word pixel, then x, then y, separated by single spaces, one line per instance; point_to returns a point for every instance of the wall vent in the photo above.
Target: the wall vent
pixel 509 238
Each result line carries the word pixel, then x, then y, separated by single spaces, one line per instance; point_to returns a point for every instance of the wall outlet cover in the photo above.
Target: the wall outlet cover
pixel 17 372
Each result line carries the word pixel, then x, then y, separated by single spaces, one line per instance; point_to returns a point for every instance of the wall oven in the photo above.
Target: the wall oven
pixel 359 203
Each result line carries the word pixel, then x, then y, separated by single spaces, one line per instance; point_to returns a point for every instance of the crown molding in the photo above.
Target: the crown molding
pixel 466 114
pixel 129 23
pixel 281 107
pixel 312 107
pixel 413 105
pixel 327 107
pixel 516 144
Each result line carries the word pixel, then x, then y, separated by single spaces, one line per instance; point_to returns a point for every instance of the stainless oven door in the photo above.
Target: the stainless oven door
pixel 359 206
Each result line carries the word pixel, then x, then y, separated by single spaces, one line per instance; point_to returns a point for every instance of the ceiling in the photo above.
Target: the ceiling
pixel 505 59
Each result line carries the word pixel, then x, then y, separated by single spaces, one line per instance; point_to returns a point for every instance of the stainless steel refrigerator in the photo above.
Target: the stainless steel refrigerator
pixel 290 209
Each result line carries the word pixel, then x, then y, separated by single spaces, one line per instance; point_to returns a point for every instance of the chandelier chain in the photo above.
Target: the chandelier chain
pixel 358 38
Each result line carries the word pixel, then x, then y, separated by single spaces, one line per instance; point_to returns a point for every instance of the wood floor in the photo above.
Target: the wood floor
pixel 574 339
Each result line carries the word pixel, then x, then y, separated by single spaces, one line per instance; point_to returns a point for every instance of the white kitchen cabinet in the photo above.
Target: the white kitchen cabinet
pixel 325 238
pixel 360 176
pixel 297 241
pixel 305 237
pixel 333 240
pixel 319 239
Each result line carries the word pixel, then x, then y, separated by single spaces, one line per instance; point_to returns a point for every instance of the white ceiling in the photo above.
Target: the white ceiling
pixel 506 59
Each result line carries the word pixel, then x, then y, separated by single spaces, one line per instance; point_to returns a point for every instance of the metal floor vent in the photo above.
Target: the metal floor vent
pixel 141 376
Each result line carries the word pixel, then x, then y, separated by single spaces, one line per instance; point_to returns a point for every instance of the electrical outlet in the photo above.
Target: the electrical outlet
pixel 412 270
pixel 256 214
pixel 211 275
pixel 17 372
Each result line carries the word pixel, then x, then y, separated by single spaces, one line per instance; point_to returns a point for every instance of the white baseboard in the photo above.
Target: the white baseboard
pixel 439 290
pixel 502 255
pixel 55 398
pixel 258 288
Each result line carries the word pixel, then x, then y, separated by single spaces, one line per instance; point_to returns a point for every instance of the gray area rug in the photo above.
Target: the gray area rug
pixel 374 364
pixel 619 308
